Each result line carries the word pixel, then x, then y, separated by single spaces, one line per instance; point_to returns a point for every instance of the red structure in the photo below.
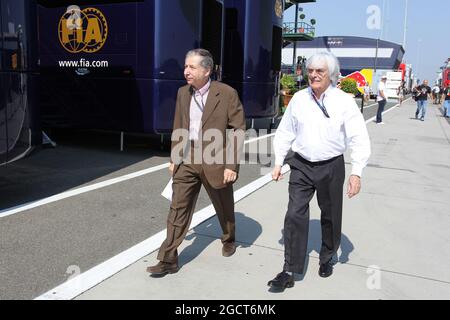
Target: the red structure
pixel 402 68
pixel 446 77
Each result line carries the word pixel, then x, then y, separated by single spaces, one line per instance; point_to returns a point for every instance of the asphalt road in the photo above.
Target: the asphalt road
pixel 41 247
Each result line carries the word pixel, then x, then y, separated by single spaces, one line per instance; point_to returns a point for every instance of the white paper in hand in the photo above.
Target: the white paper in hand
pixel 167 192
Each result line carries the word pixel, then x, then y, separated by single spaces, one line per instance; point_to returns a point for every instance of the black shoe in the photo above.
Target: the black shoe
pixel 282 281
pixel 326 269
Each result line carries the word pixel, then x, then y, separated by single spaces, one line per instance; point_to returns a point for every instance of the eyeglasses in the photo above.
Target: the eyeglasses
pixel 320 72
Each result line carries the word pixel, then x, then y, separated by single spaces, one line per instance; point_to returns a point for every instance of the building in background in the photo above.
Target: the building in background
pixel 363 59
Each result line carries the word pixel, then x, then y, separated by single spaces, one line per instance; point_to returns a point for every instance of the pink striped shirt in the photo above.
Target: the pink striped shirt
pixel 198 102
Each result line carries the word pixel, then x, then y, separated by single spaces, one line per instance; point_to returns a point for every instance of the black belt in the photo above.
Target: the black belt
pixel 315 163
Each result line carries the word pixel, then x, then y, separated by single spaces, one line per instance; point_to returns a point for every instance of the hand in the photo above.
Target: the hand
pixel 171 168
pixel 354 186
pixel 229 176
pixel 276 173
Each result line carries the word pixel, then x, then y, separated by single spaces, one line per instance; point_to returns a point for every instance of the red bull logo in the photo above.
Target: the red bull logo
pixel 360 79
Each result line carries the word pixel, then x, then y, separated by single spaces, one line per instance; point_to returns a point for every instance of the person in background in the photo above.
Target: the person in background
pixel 422 96
pixel 441 92
pixel 381 99
pixel 446 104
pixel 436 94
pixel 366 93
pixel 401 92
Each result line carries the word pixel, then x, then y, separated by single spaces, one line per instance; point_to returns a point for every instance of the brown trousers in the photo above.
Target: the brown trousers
pixel 187 182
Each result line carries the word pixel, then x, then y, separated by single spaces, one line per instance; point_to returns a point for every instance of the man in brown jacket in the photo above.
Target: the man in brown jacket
pixel 207 138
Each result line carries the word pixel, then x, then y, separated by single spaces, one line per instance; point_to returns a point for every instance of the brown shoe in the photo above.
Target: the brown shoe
pixel 163 268
pixel 228 249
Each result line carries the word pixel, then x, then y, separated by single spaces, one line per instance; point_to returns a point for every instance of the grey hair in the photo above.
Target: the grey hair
pixel 331 61
pixel 207 61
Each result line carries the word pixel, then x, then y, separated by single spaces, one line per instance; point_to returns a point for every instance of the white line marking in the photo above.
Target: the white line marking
pixel 390 109
pixel 96 186
pixel 71 193
pixel 260 138
pixel 87 280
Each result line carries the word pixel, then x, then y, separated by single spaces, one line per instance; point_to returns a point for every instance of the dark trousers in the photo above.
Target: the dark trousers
pixel 187 182
pixel 327 178
pixel 381 105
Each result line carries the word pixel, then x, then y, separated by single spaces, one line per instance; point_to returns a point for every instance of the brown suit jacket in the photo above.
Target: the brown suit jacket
pixel 223 110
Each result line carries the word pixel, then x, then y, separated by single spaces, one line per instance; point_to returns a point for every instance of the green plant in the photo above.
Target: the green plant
pixel 288 84
pixel 350 86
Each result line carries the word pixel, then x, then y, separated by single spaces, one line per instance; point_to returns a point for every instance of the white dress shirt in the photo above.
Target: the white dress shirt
pixel 198 102
pixel 381 88
pixel 312 135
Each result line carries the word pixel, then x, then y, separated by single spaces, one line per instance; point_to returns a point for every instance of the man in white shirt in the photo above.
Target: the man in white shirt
pixel 381 99
pixel 319 124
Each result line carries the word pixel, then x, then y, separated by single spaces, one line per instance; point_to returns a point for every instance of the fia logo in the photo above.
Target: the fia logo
pixel 82 30
pixel 279 8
